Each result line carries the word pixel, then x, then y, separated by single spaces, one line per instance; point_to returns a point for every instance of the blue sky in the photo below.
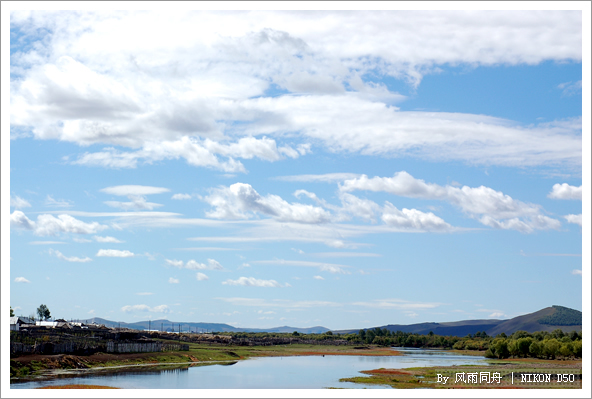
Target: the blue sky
pixel 343 169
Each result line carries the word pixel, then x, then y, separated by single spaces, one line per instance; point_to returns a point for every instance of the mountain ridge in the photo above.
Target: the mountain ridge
pixel 569 319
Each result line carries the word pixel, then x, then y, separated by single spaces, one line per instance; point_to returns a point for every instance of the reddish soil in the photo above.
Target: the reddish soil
pixel 386 371
pixel 78 386
pixel 72 361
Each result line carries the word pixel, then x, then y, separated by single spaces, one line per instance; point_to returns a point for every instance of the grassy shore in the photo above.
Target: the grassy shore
pixel 513 373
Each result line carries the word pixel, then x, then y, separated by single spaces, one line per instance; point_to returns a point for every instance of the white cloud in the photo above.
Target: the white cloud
pixel 59 255
pixel 107 239
pixel 145 308
pixel 144 293
pixel 134 190
pixel 577 272
pixel 89 81
pixel 211 264
pixel 252 282
pixel 50 201
pixel 115 253
pixel 325 178
pixel 175 263
pixel 576 219
pixel 318 278
pixel 201 277
pixel 18 203
pixel 50 225
pixel 46 242
pixel 181 196
pixel 173 280
pixel 136 194
pixel 138 203
pixel 570 88
pixel 565 191
pixel 21 280
pixel 413 219
pixel 327 267
pixel 241 201
pixel 496 209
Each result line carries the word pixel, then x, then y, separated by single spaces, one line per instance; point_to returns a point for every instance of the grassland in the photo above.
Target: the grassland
pixel 510 371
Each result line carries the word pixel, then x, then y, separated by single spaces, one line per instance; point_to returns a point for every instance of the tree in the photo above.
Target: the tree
pixel 43 312
pixel 12 314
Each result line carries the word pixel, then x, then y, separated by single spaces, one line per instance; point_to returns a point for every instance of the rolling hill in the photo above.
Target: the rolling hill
pixel 547 319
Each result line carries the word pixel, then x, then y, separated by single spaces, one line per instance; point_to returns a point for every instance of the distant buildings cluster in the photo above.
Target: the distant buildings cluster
pixel 18 323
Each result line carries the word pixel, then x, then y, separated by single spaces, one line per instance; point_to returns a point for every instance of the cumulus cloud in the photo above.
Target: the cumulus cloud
pixel 21 280
pixel 211 264
pixel 575 219
pixel 413 219
pixel 145 308
pixel 49 225
pixel 490 207
pixel 115 253
pixel 203 99
pixel 252 282
pixel 59 255
pixel 173 280
pixel 565 191
pixel 241 201
pixel 201 277
pixel 318 277
pixel 18 203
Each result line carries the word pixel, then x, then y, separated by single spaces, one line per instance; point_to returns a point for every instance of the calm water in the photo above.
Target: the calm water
pixel 295 372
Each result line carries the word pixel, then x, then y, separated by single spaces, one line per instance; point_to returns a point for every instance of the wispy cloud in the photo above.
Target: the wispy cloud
pixel 326 267
pixel 59 255
pixel 211 264
pixel 252 282
pixel 21 280
pixel 107 239
pixel 397 304
pixel 18 203
pixel 145 308
pixel 324 178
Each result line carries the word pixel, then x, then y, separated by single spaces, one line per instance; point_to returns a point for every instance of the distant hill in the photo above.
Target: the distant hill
pixel 547 319
pixel 167 325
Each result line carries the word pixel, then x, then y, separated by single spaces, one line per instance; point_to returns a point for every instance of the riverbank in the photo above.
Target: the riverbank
pixel 522 373
pixel 30 367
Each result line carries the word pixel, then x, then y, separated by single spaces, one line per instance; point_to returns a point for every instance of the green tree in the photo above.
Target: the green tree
pixel 551 348
pixel 43 312
pixel 535 349
pixel 566 349
pixel 524 346
pixel 12 313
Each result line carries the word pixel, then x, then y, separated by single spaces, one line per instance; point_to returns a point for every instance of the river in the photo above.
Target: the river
pixel 293 372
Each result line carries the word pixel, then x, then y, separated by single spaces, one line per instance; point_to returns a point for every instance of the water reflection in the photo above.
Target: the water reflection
pixel 296 372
